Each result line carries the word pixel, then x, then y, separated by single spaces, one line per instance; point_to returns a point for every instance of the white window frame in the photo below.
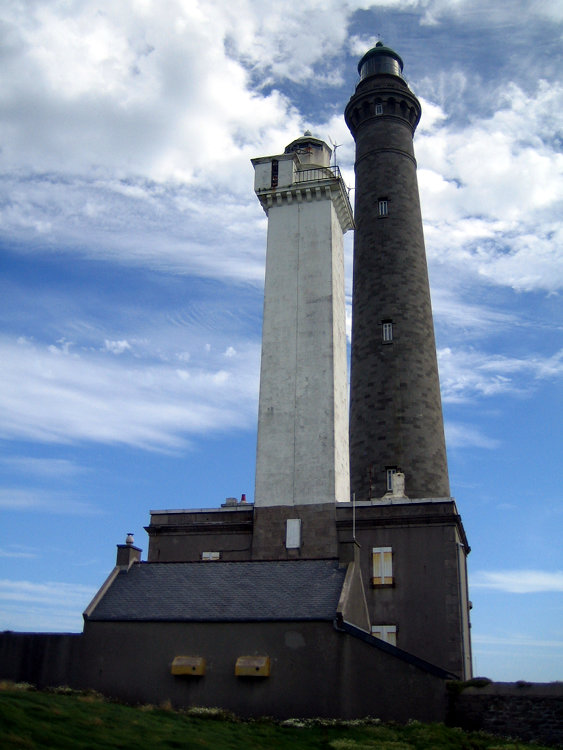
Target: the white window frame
pixel 210 555
pixel 383 206
pixel 387 331
pixel 390 471
pixel 382 566
pixel 387 633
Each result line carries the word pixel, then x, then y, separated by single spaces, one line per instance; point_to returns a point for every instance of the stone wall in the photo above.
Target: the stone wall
pixel 395 407
pixel 523 710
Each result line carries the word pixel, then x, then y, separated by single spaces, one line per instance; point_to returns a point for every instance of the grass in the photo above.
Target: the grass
pixel 61 718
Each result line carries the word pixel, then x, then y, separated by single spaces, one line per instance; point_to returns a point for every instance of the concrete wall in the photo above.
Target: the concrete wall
pixel 315 669
pixel 302 452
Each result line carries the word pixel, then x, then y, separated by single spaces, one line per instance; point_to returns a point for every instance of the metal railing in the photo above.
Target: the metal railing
pixel 318 173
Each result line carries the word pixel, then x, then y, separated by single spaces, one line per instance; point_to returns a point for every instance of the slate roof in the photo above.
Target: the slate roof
pixel 223 591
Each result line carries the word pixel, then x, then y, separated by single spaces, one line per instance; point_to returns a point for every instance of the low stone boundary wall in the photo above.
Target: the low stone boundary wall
pixel 523 710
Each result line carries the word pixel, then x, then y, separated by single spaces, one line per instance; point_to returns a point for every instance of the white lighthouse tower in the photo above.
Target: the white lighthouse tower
pixel 302 452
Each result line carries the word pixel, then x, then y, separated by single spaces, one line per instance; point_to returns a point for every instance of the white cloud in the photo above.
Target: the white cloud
pixel 518 581
pixel 127 135
pixel 492 190
pixel 465 374
pixel 520 640
pixel 50 593
pixel 450 309
pixel 53 397
pixel 433 117
pixel 178 228
pixel 551 9
pixel 44 468
pixel 44 501
pixel 467 436
pixel 148 91
pixel 500 14
pixel 50 606
pixel 38 618
pixel 142 154
pixel 17 551
pixel 117 347
pixel 63 347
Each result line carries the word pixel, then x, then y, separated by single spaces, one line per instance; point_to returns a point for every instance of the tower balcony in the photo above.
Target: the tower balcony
pixel 317 173
pixel 308 185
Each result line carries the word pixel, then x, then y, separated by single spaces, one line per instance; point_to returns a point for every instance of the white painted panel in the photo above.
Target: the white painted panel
pixel 293 533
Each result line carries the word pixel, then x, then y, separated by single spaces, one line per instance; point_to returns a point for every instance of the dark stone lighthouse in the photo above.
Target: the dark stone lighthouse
pixel 396 420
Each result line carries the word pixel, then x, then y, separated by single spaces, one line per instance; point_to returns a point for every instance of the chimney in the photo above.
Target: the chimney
pixel 127 553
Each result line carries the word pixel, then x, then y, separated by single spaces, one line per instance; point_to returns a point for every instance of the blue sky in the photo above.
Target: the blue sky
pixel 132 258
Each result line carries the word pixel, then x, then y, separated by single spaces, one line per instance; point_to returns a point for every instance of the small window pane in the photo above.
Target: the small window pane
pixel 377 566
pixel 387 567
pixel 387 633
pixel 382 564
pixel 383 207
pixel 379 109
pixel 387 331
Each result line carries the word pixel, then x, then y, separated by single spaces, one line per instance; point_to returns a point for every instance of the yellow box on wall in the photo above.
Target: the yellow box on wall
pixel 188 665
pixel 252 666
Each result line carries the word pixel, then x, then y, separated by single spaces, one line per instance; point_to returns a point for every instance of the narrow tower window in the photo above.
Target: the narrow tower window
pixel 383 206
pixel 387 331
pixel 275 169
pixel 382 562
pixel 379 109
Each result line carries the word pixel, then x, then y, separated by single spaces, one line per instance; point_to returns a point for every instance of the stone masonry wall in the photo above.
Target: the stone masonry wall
pixel 523 710
pixel 395 408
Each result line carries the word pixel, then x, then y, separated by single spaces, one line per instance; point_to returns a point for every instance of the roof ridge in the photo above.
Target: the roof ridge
pixel 235 562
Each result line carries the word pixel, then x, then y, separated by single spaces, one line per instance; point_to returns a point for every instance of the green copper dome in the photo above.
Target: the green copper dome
pixel 380 59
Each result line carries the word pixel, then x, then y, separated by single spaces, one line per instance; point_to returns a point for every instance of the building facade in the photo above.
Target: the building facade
pixel 411 546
